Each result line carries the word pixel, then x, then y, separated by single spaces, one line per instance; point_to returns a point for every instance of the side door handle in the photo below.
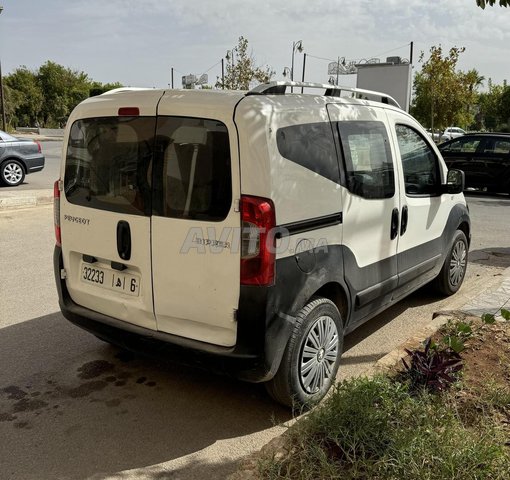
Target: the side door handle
pixel 124 240
pixel 394 224
pixel 403 221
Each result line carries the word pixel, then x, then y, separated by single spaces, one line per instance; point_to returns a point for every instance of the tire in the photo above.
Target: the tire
pixel 12 173
pixel 316 341
pixel 452 273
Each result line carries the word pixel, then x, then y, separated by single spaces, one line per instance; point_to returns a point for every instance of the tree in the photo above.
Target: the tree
pixel 63 89
pixel 241 69
pixel 443 96
pixel 98 88
pixel 24 97
pixel 489 107
pixel 47 96
pixel 504 110
pixel 483 3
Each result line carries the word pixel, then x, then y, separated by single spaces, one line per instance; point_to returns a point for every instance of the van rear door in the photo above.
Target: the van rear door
pixel 195 225
pixel 106 205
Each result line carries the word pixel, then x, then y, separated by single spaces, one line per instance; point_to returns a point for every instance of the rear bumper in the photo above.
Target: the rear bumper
pixel 250 359
pixel 35 163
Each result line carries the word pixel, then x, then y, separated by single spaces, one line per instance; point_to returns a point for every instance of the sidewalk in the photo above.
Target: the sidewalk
pixel 25 198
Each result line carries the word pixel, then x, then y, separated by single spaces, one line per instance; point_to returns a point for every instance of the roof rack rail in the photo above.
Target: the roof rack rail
pixel 279 88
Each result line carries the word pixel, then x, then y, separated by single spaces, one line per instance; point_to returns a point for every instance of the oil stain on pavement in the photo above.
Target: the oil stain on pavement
pixel 22 404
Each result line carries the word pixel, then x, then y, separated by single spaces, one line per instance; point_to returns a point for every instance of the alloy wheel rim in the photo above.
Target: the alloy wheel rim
pixel 318 355
pixel 12 173
pixel 458 263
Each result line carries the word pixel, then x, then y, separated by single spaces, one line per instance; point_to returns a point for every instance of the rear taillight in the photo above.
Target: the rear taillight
pixel 56 213
pixel 39 148
pixel 257 241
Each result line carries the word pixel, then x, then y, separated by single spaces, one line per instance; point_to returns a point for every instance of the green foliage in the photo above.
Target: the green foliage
pixel 241 69
pixel 443 95
pixel 371 428
pixel 434 368
pixel 488 318
pixel 483 3
pixel 47 96
pixel 505 314
pixel 490 107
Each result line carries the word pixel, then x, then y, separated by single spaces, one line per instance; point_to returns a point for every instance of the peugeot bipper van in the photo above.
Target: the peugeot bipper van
pixel 259 227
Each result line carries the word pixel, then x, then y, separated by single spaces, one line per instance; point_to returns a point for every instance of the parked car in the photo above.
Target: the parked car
pixel 452 132
pixel 257 227
pixel 483 157
pixel 18 157
pixel 436 135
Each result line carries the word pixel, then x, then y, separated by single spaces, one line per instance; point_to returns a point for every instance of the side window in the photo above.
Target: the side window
pixel 310 145
pixel 499 147
pixel 462 145
pixel 419 163
pixel 193 177
pixel 368 162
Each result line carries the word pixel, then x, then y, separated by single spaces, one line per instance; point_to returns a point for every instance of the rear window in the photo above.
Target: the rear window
pixel 178 167
pixel 108 162
pixel 192 176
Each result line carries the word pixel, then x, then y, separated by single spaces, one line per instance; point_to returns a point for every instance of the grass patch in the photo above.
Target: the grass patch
pixel 375 428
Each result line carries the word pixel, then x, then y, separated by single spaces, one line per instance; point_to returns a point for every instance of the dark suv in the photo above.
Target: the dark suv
pixel 484 158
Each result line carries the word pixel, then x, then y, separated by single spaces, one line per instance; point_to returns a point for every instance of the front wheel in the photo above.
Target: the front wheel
pixel 311 358
pixel 452 274
pixel 12 173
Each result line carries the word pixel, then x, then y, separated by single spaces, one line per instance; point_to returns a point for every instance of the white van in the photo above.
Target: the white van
pixel 259 227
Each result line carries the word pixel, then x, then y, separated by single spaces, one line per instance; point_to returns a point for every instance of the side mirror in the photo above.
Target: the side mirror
pixel 455 182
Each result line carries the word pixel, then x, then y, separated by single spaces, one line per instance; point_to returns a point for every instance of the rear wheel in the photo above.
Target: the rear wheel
pixel 452 274
pixel 12 173
pixel 310 362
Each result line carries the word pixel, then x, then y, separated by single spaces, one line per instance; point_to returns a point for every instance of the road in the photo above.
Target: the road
pixel 73 407
pixel 52 150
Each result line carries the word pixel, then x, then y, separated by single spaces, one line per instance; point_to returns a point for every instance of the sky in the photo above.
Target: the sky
pixel 137 42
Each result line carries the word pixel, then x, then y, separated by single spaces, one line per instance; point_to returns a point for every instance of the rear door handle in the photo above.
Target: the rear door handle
pixel 124 240
pixel 394 223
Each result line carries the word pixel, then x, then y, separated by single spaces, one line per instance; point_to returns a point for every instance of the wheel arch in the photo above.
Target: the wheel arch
pixel 335 292
pixel 465 228
pixel 17 159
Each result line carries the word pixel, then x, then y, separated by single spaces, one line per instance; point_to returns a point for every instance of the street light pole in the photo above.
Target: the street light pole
pixel 2 100
pixel 299 47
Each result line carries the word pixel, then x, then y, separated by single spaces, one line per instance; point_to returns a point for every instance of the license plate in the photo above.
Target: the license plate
pixel 110 279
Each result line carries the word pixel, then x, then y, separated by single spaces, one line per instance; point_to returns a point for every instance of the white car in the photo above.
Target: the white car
pixel 452 132
pixel 257 227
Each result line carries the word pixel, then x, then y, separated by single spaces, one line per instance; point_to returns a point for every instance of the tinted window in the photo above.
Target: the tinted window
pixel 419 162
pixel 193 174
pixel 496 146
pixel 107 164
pixel 462 145
pixel 312 146
pixel 368 162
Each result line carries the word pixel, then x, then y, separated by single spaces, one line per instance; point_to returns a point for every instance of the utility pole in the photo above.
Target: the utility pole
pixel 304 65
pixel 172 77
pixel 2 99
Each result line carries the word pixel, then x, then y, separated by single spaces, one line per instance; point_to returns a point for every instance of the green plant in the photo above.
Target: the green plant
pixel 371 428
pixel 433 368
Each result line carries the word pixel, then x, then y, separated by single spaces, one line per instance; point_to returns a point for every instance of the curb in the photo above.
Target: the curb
pixel 25 198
